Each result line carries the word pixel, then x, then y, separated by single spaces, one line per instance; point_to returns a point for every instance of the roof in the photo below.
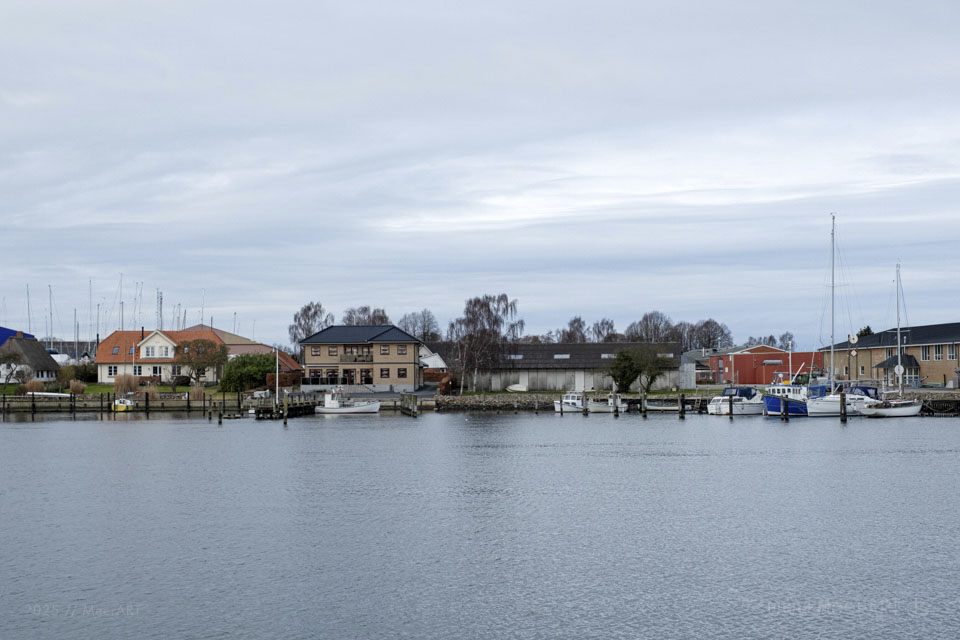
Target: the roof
pixel 31 352
pixel 8 333
pixel 348 334
pixel 922 334
pixel 123 341
pixel 908 361
pixel 225 336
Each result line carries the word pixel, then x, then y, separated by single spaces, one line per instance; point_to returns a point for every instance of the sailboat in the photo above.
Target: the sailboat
pixel 854 397
pixel 897 407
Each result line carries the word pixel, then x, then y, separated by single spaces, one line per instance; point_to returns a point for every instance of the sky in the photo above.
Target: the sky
pixel 599 159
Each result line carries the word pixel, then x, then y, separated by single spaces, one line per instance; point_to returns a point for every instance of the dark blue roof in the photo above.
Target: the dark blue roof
pixel 6 333
pixel 923 334
pixel 343 334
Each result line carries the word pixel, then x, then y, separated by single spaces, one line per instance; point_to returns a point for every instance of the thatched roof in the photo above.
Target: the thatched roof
pixel 31 353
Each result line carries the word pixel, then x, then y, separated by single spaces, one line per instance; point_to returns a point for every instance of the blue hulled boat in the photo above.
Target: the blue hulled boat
pixel 795 395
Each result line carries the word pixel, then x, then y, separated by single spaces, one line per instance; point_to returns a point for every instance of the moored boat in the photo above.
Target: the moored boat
pixel 745 400
pixel 897 408
pixel 335 403
pixel 607 406
pixel 570 402
pixel 123 404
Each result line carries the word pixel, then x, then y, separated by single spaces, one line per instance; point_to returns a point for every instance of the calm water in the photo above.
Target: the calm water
pixel 480 526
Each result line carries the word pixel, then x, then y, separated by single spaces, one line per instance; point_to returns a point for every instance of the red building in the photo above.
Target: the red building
pixel 761 364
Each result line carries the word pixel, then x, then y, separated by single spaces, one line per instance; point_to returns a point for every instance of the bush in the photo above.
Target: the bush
pixel 124 383
pixel 247 371
pixel 34 386
pixel 21 390
pixel 77 387
pixel 66 374
pixel 86 372
pixel 196 393
pixel 149 391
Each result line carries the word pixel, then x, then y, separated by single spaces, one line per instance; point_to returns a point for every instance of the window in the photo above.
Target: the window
pixel 149 353
pixel 316 373
pixel 116 350
pixel 401 350
pixel 314 351
pixel 402 372
pixel 165 351
pixel 157 371
pixel 665 355
pixel 514 356
pixel 186 349
pixel 938 352
pixel 350 350
pixel 925 353
pixel 384 349
pixel 366 376
pixel 607 356
pixel 201 349
pixel 331 351
pixel 846 371
pixel 890 352
pixel 862 370
pixel 138 370
pixel 951 352
pixel 561 356
pixel 176 370
pixel 131 351
pixel 385 372
pixel 201 372
pixel 112 370
pixel 332 375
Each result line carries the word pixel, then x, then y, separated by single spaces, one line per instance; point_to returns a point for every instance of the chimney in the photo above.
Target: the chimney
pixel 19 334
pixel 141 333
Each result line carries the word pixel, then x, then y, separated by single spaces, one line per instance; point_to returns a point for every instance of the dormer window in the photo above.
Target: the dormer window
pixel 150 352
pixel 116 350
pixel 131 351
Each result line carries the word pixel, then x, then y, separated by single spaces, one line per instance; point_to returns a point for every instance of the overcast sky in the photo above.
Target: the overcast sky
pixel 600 159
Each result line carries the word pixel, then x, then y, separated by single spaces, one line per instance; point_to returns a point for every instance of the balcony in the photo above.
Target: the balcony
pixel 363 357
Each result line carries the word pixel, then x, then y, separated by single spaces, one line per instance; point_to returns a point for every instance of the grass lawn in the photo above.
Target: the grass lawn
pixel 96 388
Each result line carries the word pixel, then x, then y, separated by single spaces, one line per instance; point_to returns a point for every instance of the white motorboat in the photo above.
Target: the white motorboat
pixel 746 401
pixel 517 388
pixel 335 403
pixel 856 399
pixel 569 403
pixel 607 406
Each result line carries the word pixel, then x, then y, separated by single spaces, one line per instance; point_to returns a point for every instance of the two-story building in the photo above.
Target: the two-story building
pixel 371 358
pixel 929 355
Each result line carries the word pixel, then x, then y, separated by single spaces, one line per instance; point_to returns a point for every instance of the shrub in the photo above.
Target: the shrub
pixel 77 387
pixel 34 386
pixel 150 390
pixel 21 390
pixel 246 371
pixel 196 393
pixel 86 372
pixel 124 383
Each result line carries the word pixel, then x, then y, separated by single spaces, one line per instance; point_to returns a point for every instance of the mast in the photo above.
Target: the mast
pixel 29 323
pixel 833 255
pixel 899 368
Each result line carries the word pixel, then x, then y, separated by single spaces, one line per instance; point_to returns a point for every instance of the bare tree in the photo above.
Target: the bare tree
pixel 487 325
pixel 421 324
pixel 710 334
pixel 576 331
pixel 603 330
pixel 311 318
pixel 9 361
pixel 654 326
pixel 364 315
pixel 199 355
pixel 786 340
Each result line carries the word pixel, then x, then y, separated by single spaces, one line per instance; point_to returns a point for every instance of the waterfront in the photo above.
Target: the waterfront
pixel 479 525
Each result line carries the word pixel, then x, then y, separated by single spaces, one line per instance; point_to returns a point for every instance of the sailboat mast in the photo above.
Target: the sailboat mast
pixel 833 255
pixel 899 369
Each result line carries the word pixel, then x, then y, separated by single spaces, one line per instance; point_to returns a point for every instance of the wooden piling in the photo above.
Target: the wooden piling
pixel 730 405
pixel 683 407
pixel 843 407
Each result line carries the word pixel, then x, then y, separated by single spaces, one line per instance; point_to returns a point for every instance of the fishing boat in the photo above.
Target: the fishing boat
pixel 570 402
pixel 122 404
pixel 745 400
pixel 335 404
pixel 898 407
pixel 612 401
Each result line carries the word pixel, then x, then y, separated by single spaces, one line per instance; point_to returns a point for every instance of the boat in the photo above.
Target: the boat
pixel 746 401
pixel 335 404
pixel 517 388
pixel 607 406
pixel 898 407
pixel 569 403
pixel 122 404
